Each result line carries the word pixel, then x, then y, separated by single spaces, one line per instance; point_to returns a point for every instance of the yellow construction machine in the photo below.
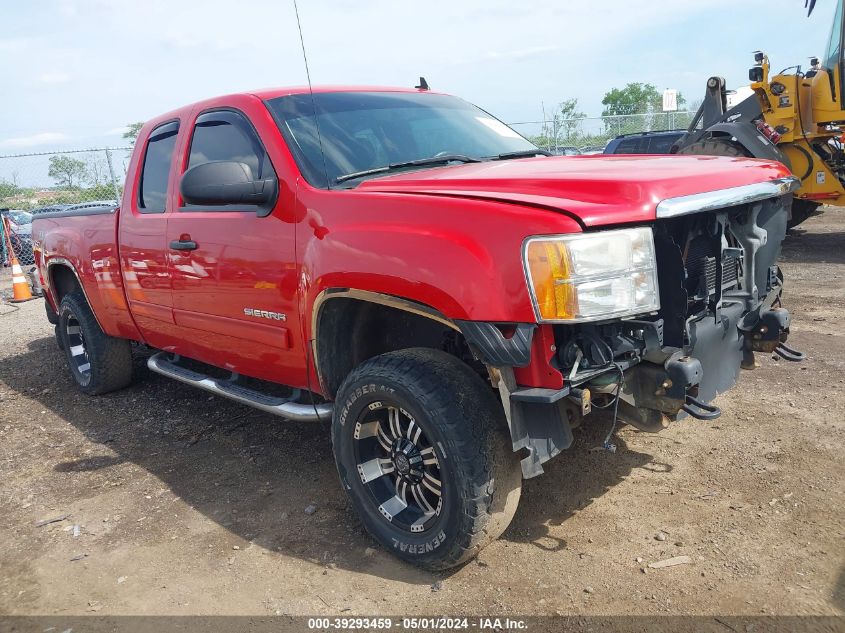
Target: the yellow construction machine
pixel 795 117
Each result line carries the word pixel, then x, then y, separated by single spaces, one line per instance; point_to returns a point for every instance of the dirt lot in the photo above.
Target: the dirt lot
pixel 190 504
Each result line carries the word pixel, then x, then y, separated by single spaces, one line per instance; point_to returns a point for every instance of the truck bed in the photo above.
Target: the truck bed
pixel 83 242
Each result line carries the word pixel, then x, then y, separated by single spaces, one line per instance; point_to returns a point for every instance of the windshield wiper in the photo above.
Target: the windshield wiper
pixel 526 153
pixel 432 160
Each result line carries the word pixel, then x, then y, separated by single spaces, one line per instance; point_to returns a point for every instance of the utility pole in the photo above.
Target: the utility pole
pixel 113 179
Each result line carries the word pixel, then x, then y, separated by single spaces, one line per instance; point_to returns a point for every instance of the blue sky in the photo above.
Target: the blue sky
pixel 76 71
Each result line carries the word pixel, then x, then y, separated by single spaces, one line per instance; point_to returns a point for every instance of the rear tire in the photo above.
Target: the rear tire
pixel 99 363
pixel 52 317
pixel 459 487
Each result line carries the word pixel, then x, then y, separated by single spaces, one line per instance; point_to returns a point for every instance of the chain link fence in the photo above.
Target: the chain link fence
pixel 19 243
pixel 591 134
pixel 54 181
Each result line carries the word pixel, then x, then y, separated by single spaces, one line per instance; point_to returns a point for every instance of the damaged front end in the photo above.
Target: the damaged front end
pixel 720 302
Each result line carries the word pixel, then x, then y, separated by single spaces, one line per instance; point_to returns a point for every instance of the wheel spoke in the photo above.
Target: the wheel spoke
pixel 432 483
pixel 429 458
pixel 383 439
pixel 419 497
pixel 395 426
pixel 419 524
pixel 392 507
pixel 414 431
pixel 402 490
pixel 366 429
pixel 374 469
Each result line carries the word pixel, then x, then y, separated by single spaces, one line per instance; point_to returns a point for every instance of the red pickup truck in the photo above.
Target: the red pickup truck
pixel 401 263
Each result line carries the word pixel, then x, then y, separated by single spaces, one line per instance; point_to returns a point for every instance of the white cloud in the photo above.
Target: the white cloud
pixel 116 130
pixel 54 78
pixel 34 140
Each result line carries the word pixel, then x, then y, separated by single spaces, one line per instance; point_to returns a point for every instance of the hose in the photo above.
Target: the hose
pixel 607 444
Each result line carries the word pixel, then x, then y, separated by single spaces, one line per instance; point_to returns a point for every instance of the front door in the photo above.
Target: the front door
pixel 232 267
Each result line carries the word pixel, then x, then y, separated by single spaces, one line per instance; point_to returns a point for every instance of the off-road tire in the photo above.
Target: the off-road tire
pixel 455 408
pixel 52 317
pixel 716 147
pixel 801 209
pixel 110 358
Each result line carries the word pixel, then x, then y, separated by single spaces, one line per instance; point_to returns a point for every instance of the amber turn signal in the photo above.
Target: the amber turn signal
pixel 548 268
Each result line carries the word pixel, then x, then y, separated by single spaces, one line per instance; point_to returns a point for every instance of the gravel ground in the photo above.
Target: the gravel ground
pixel 172 501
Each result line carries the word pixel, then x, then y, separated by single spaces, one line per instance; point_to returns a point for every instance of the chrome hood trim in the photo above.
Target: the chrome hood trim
pixel 721 198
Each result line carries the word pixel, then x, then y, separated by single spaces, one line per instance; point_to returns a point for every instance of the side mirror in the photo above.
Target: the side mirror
pixel 226 182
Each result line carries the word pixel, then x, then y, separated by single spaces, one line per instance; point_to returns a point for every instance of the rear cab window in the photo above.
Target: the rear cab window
pixel 158 157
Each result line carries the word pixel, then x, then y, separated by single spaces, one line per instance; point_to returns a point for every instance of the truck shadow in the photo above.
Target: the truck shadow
pixel 572 481
pixel 802 246
pixel 254 474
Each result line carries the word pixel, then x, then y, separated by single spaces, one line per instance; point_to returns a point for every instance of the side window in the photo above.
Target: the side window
pixel 628 146
pixel 661 144
pixel 227 135
pixel 833 48
pixel 156 172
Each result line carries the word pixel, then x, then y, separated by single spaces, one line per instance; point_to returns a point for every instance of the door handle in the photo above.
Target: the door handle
pixel 183 245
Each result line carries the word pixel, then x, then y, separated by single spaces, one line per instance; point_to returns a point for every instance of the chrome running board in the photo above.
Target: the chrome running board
pixel 283 407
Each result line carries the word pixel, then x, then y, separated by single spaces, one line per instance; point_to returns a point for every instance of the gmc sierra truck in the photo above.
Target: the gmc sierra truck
pixel 403 265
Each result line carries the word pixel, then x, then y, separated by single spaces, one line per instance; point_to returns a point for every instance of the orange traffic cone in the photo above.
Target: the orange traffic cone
pixel 20 287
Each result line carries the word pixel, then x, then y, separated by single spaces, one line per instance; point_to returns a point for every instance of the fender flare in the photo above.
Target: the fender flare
pixel 391 301
pixel 487 342
pixel 400 303
pixel 65 263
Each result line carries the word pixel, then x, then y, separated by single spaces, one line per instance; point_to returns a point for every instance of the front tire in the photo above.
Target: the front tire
pixel 423 451
pixel 99 363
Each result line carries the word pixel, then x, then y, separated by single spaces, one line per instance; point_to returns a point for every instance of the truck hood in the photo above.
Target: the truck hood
pixel 596 190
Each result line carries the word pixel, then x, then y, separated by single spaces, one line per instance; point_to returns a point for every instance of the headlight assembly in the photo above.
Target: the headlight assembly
pixel 592 276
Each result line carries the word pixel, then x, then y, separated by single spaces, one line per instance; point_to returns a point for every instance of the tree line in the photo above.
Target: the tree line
pixel 637 107
pixel 77 180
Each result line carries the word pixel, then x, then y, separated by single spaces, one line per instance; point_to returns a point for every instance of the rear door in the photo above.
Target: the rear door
pixel 234 291
pixel 142 235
